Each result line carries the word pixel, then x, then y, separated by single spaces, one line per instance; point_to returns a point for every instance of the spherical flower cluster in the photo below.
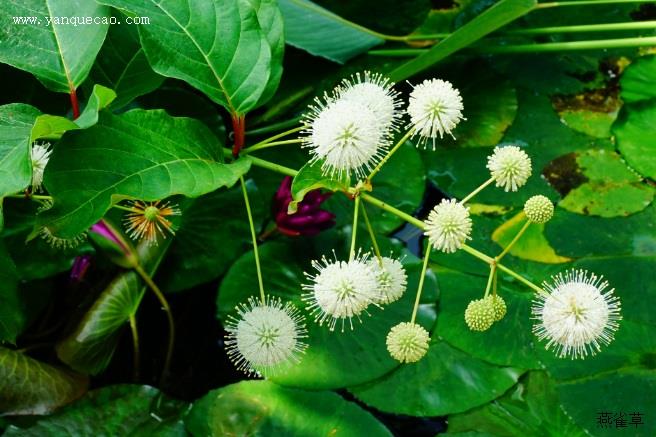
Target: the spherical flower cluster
pixel 391 277
pixel 265 335
pixel 349 131
pixel 577 314
pixel 448 226
pixel 407 342
pixel 340 290
pixel 480 314
pixel 435 108
pixel 538 209
pixel 40 156
pixel 498 305
pixel 510 167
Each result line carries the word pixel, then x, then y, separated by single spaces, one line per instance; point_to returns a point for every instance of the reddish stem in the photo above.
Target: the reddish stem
pixel 74 103
pixel 239 129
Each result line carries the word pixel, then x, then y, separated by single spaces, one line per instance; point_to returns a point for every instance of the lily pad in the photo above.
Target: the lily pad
pixel 636 138
pixel 637 80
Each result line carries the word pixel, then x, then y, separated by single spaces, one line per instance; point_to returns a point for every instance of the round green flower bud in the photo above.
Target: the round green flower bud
pixel 407 342
pixel 499 306
pixel 479 315
pixel 539 209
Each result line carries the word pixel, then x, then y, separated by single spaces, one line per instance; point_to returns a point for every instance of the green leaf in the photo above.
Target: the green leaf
pixel 531 408
pixel 59 53
pixel 122 65
pixel 594 123
pixel 516 349
pixel 16 122
pixel 498 15
pixel 28 386
pixel 11 315
pixel 332 36
pixel 90 346
pixel 228 54
pixel 636 137
pixel 213 233
pixel 532 245
pixel 114 410
pixel 445 381
pixel 141 154
pixel 638 79
pixel 323 365
pixel 310 177
pixel 101 97
pixel 261 408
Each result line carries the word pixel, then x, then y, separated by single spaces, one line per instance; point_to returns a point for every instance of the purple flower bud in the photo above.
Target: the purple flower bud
pixel 309 219
pixel 105 230
pixel 80 267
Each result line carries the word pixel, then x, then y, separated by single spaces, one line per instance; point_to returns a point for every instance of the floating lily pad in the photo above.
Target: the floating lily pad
pixel 636 138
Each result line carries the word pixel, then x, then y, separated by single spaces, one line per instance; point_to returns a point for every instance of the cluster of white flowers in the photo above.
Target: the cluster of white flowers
pixel 350 130
pixel 341 290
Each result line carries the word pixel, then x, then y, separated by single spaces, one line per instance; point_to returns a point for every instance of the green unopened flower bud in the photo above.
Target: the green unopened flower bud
pixel 407 342
pixel 539 209
pixel 479 315
pixel 499 306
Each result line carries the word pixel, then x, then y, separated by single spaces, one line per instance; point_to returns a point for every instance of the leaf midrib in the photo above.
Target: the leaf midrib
pixel 71 86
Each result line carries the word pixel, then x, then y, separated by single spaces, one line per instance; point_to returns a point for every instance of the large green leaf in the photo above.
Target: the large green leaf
pixel 605 185
pixel 91 345
pixel 228 49
pixel 112 411
pixel 638 79
pixel 445 381
pixel 59 53
pixel 310 177
pixel 11 315
pixel 141 154
pixel 213 233
pixel 28 386
pixel 636 137
pixel 531 408
pixel 332 36
pixel 324 365
pixel 261 408
pixel 122 65
pixel 498 15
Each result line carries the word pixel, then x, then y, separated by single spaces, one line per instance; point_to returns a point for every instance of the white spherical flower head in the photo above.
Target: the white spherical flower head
pixel 448 226
pixel 40 157
pixel 340 290
pixel 265 335
pixel 510 167
pixel 374 91
pixel 347 136
pixel 576 315
pixel 407 342
pixel 391 277
pixel 435 108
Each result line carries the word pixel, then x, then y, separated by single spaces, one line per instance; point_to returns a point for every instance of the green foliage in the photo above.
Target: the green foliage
pixel 262 408
pixel 240 73
pixel 11 316
pixel 58 53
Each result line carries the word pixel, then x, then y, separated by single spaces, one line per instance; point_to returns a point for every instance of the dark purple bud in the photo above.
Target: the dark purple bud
pixel 308 219
pixel 80 267
pixel 105 230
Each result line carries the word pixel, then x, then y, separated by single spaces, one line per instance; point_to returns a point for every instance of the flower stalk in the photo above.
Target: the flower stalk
pixel 420 287
pixel 254 238
pixel 514 240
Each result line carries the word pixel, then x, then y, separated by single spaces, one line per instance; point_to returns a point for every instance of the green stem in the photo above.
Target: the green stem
pixel 254 238
pixel 407 217
pixel 372 234
pixel 514 240
pixel 586 3
pixel 420 287
pixel 169 316
pixel 476 191
pixel 135 346
pixel 631 25
pixel 275 137
pixel 494 283
pixel 569 46
pixel 493 271
pixel 354 231
pixel 29 196
pixel 270 144
pixel 389 154
pixel 275 127
pixel 123 208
